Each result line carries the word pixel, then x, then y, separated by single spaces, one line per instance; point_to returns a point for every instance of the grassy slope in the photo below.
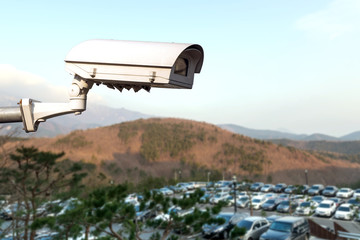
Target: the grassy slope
pixel 161 147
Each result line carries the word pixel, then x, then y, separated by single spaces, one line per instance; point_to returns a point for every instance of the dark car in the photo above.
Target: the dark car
pixel 256 186
pixel 354 201
pixel 270 204
pixel 254 226
pixel 280 187
pixel 330 191
pixel 215 230
pixel 287 228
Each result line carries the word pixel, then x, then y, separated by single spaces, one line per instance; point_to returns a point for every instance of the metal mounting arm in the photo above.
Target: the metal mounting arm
pixel 33 112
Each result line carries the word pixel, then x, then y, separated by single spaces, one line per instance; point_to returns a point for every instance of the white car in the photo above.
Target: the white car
pixel 345 193
pixel 267 188
pixel 326 208
pixel 306 208
pixel 165 191
pixel 221 196
pixel 345 211
pixel 271 195
pixel 357 193
pixel 257 201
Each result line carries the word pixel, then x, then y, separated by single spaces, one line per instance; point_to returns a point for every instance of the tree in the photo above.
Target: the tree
pixel 31 177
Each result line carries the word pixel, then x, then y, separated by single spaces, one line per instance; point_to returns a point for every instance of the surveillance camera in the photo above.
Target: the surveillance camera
pixel 134 64
pixel 116 64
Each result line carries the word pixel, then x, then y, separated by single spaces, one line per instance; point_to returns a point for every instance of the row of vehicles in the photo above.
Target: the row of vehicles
pixel 316 189
pixel 341 207
pixel 245 227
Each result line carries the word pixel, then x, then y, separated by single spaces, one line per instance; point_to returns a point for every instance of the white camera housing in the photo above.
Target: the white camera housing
pixel 134 64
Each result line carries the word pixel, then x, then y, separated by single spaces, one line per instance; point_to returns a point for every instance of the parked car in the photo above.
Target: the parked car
pixel 318 199
pixel 206 197
pixel 271 195
pixel 220 184
pixel 280 187
pixel 272 218
pixel 286 206
pixel 267 188
pixel 326 208
pixel 183 185
pixel 357 193
pixel 337 201
pixel 176 189
pixel 166 191
pixel 355 202
pixel 270 204
pixel 257 201
pixel 345 193
pixel 222 230
pixel 283 197
pixel 221 196
pixel 143 215
pixel 255 226
pixel 256 186
pixel 345 211
pixel 316 189
pixel 290 189
pixel 285 228
pixel 243 202
pixel 304 189
pixel 298 198
pixel 306 208
pixel 330 191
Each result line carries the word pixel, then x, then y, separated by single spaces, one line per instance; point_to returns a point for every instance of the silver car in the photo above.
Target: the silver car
pixel 254 226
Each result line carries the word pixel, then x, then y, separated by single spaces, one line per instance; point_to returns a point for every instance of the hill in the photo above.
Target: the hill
pixel 176 148
pixel 271 135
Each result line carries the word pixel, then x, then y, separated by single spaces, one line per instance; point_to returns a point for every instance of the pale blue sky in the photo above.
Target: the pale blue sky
pixel 291 65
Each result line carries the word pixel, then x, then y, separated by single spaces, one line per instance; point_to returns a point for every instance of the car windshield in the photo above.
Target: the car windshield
pixel 329 188
pixel 336 200
pixel 245 224
pixel 324 205
pixel 279 185
pixel 305 204
pixel 285 203
pixel 317 198
pixel 353 201
pixel 344 209
pixel 244 199
pixel 343 190
pixel 270 201
pixel 256 200
pixel 281 226
pixel 315 187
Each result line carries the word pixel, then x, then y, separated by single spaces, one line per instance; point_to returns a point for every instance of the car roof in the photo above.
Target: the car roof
pixel 346 205
pixel 328 201
pixel 290 219
pixel 254 218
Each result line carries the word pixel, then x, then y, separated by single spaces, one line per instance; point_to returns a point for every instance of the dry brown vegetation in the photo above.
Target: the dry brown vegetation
pixel 162 147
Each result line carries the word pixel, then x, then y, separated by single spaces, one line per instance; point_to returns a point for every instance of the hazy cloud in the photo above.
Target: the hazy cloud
pixel 19 84
pixel 340 17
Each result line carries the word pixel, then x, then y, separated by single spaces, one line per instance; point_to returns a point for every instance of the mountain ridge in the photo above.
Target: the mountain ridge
pixel 164 146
